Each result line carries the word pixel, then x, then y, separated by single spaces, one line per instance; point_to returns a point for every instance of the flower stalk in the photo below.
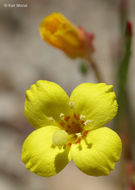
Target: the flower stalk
pixel 123 70
pixel 124 121
pixel 95 69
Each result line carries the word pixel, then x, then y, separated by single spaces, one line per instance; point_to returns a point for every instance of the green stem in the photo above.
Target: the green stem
pixel 122 80
pixel 95 69
pixel 132 126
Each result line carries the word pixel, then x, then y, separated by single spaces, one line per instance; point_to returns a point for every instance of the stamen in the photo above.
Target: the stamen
pixel 69 144
pixel 51 118
pixel 87 122
pixel 76 117
pixel 78 134
pixel 62 124
pixel 85 134
pixel 78 140
pixel 67 118
pixel 82 117
pixel 62 116
pixel 73 123
pixel 71 104
pixel 82 122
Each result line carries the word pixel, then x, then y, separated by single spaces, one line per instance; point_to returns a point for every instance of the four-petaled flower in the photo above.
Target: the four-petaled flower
pixel 71 129
pixel 61 33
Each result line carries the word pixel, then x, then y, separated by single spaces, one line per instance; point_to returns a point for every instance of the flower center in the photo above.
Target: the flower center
pixel 72 124
pixel 72 129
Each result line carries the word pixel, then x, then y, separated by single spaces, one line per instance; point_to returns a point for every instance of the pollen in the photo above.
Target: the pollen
pixel 87 122
pixel 51 118
pixel 71 104
pixel 62 116
pixel 82 117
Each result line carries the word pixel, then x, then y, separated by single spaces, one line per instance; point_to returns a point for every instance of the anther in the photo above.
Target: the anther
pixel 82 117
pixel 62 116
pixel 71 104
pixel 51 118
pixel 87 122
pixel 78 134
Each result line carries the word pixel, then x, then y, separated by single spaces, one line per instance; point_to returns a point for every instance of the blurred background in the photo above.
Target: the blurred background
pixel 25 58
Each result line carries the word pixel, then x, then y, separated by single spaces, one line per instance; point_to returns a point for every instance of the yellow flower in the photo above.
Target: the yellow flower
pixel 61 33
pixel 71 129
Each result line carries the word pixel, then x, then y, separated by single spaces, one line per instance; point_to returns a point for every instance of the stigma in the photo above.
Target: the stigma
pixel 60 138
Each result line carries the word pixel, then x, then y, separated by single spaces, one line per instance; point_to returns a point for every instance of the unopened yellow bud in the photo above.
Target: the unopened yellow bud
pixel 58 31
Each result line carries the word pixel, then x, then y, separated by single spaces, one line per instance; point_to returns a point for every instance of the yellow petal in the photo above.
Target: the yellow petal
pixel 41 156
pixel 95 101
pixel 97 154
pixel 44 103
